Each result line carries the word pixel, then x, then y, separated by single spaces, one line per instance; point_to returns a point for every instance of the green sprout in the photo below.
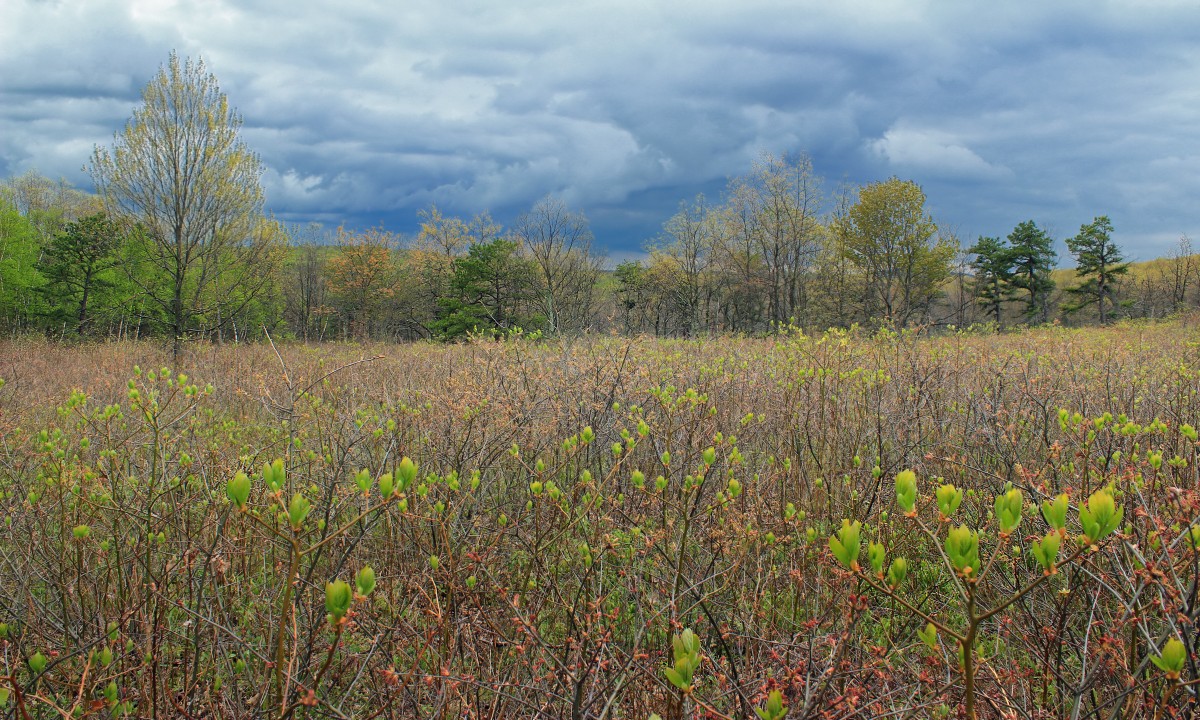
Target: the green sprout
pixel 686 647
pixel 1100 517
pixel 962 547
pixel 846 545
pixel 948 499
pixel 906 491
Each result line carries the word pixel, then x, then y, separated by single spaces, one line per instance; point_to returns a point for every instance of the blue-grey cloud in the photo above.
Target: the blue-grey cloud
pixel 365 112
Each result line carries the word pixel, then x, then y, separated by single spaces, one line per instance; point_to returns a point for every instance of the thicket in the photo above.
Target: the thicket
pixel 605 528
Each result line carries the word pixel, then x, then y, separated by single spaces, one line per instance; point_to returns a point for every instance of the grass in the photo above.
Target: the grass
pixel 577 505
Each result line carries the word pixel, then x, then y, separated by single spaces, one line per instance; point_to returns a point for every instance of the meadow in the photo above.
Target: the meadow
pixel 605 527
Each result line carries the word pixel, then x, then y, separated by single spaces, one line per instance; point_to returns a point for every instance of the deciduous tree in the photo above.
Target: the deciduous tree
pixel 179 171
pixel 559 242
pixel 685 253
pixel 775 210
pixel 895 245
pixel 362 278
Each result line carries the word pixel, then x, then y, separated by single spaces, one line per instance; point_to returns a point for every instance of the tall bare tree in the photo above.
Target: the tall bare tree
pixel 775 210
pixel 684 254
pixel 559 242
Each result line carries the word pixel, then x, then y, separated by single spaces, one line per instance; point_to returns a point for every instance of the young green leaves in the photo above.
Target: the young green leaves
pixel 1046 551
pixel 238 490
pixel 37 663
pixel 274 476
pixel 338 596
pixel 1171 659
pixel 962 547
pixel 928 636
pixel 906 492
pixel 774 708
pixel 948 500
pixel 1008 511
pixel 363 480
pixel 1055 513
pixel 897 572
pixel 364 580
pixel 847 544
pixel 875 556
pixel 686 648
pixel 406 473
pixel 1100 517
pixel 298 510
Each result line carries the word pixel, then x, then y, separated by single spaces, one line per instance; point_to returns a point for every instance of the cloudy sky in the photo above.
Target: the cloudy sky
pixel 366 111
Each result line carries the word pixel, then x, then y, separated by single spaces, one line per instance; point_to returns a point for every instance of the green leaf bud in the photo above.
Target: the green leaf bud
pixel 1046 551
pixel 298 510
pixel 929 636
pixel 876 556
pixel 1100 517
pixel 846 544
pixel 897 572
pixel 406 473
pixel 337 599
pixel 948 499
pixel 275 476
pixel 774 709
pixel 906 491
pixel 363 480
pixel 1171 659
pixel 37 663
pixel 364 580
pixel 1008 510
pixel 238 490
pixel 1055 512
pixel 962 547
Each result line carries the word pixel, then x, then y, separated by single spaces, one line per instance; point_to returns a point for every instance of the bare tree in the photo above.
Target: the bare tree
pixel 559 243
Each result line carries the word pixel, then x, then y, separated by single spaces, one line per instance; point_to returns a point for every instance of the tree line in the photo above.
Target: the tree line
pixel 176 243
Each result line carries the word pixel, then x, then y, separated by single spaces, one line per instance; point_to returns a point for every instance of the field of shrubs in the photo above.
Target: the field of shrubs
pixel 843 526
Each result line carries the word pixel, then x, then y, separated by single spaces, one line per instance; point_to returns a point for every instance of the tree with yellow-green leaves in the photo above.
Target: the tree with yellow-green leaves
pixel 180 174
pixel 896 249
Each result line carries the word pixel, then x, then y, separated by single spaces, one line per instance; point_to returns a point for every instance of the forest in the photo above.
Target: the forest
pixel 769 256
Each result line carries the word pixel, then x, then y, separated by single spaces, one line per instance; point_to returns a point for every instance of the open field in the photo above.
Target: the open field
pixel 575 505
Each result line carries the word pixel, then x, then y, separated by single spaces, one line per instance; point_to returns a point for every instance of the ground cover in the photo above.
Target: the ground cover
pixel 541 528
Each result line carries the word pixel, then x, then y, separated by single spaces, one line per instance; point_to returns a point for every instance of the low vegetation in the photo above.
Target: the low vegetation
pixel 849 525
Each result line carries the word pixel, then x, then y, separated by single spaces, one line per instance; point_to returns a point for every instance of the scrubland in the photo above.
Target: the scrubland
pixel 549 524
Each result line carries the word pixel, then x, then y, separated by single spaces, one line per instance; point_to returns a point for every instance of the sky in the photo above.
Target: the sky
pixel 367 111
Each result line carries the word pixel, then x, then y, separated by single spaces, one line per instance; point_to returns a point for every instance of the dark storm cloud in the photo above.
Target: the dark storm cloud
pixel 366 112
